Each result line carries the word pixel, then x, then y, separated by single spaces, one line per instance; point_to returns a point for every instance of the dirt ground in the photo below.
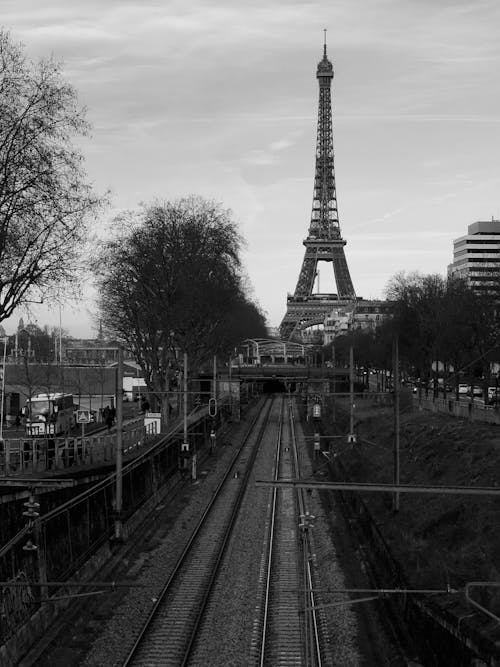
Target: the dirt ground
pixel 440 540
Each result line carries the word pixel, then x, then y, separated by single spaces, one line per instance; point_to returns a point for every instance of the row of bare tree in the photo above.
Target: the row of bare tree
pixel 92 385
pixel 170 279
pixel 440 324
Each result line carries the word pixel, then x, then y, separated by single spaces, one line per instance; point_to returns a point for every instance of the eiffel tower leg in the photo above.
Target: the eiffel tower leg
pixel 307 276
pixel 287 329
pixel 343 280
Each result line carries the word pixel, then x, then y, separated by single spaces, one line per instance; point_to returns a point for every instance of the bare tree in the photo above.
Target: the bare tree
pixel 172 282
pixel 45 201
pixel 30 380
pixel 444 320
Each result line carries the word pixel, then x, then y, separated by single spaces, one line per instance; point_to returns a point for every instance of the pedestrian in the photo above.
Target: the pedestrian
pixel 107 416
pixel 18 421
pixel 109 421
pixel 112 413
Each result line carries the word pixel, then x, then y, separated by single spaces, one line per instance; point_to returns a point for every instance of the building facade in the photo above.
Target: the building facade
pixel 476 256
pixel 363 314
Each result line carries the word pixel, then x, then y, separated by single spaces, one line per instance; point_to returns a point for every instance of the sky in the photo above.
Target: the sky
pixel 220 99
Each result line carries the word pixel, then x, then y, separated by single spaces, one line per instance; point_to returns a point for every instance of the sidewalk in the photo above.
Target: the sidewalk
pixel 482 413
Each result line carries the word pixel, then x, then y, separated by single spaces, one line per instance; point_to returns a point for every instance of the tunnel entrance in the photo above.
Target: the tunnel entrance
pixel 273 386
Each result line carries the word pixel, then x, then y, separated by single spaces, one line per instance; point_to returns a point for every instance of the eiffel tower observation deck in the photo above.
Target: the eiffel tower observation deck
pixel 324 242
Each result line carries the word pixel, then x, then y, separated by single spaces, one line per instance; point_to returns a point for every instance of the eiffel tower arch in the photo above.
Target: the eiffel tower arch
pixel 324 242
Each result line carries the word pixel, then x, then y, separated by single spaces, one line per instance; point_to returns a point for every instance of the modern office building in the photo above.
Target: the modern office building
pixel 476 256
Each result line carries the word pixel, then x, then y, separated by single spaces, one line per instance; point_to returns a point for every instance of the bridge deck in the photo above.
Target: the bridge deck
pixel 287 371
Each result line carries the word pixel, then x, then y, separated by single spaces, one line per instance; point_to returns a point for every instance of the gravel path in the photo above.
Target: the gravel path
pixel 153 566
pixel 226 637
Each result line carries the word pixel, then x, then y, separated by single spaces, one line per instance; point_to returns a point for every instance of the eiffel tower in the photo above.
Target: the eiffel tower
pixel 324 242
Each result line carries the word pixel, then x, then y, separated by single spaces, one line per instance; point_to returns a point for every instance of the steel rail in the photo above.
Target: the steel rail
pixel 310 619
pixel 271 543
pixel 281 636
pixel 145 629
pixel 227 534
pixel 289 630
pixel 369 487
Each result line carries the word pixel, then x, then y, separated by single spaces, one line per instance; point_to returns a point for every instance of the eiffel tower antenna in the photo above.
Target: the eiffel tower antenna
pixel 324 242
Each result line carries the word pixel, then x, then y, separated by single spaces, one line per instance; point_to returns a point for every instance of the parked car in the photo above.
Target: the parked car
pixel 493 395
pixel 476 391
pixel 463 389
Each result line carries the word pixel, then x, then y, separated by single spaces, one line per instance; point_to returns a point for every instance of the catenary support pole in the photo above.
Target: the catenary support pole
pixel 396 423
pixel 3 387
pixel 215 378
pixel 334 401
pixel 230 392
pixel 184 398
pixel 351 390
pixel 119 447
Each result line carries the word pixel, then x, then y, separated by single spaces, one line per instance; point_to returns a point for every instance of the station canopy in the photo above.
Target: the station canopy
pixel 271 347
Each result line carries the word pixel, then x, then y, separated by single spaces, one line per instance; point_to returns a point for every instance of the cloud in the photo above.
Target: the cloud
pixel 280 145
pixel 259 158
pixel 221 98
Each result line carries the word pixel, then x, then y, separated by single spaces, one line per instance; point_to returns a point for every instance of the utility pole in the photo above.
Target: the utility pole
pixel 351 390
pixel 119 448
pixel 185 418
pixel 215 378
pixel 61 373
pixel 230 390
pixel 334 403
pixel 213 401
pixel 3 386
pixel 396 423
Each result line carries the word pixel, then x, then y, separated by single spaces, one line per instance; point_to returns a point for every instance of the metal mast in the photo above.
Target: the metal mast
pixel 324 242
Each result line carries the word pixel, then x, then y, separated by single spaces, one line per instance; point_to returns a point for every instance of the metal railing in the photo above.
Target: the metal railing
pixel 39 455
pixel 466 410
pixel 62 540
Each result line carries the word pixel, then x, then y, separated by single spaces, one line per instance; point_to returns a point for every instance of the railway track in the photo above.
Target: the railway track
pixel 167 637
pixel 249 604
pixel 288 627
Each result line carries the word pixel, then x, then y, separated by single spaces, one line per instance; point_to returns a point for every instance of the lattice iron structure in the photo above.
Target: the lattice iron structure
pixel 324 242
